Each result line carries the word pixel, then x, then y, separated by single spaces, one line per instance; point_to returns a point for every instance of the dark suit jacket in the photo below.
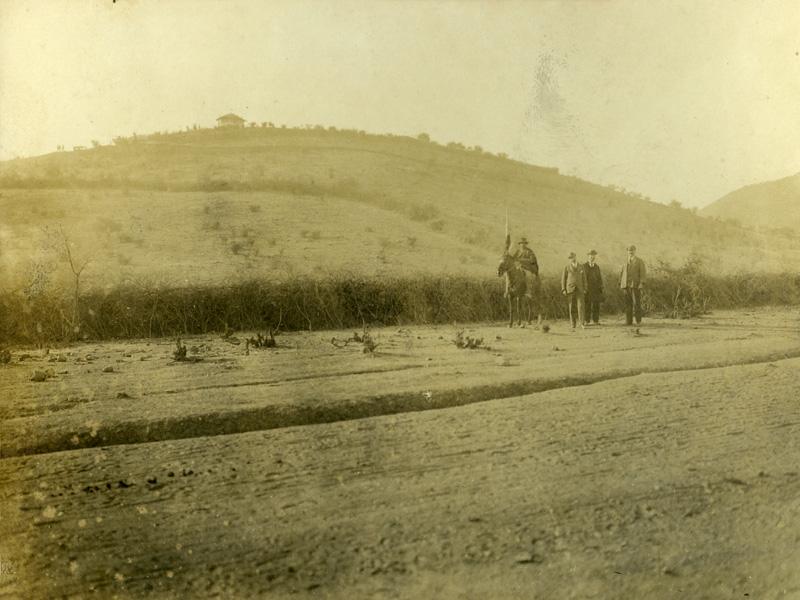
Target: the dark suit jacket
pixel 594 281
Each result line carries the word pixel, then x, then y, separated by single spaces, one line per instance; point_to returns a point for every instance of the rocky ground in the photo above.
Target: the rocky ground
pixel 605 463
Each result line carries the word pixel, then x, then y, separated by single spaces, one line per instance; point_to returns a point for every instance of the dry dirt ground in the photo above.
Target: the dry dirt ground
pixel 603 463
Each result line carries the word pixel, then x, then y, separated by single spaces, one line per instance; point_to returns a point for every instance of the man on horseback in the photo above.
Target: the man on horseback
pixel 526 256
pixel 527 260
pixel 521 271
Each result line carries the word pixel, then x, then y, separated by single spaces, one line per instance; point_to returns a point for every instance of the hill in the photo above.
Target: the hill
pixel 222 205
pixel 767 205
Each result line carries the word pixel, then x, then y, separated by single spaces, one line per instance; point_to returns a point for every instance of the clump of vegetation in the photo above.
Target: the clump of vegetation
pixel 368 343
pixel 680 293
pixel 262 341
pixel 179 354
pixel 40 375
pixel 437 225
pixel 5 356
pixel 468 343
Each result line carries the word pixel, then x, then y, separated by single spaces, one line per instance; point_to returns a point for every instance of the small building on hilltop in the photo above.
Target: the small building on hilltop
pixel 230 120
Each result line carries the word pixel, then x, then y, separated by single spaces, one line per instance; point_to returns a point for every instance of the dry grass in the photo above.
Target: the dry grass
pixel 214 184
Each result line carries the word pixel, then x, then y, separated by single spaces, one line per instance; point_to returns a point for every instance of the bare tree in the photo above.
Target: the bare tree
pixel 76 273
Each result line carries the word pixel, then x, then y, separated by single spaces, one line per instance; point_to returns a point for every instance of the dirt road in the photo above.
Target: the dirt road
pixel 636 467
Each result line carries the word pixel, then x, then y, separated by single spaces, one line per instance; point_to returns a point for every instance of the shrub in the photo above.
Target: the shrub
pixel 344 301
pixel 678 292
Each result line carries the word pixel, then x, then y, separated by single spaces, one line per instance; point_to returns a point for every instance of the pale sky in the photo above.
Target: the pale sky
pixel 683 100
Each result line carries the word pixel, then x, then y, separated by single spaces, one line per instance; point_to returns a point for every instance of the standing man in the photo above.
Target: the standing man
pixel 573 286
pixel 527 260
pixel 631 280
pixel 594 289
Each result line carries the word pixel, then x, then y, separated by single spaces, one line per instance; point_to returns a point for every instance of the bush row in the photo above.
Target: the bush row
pixel 348 301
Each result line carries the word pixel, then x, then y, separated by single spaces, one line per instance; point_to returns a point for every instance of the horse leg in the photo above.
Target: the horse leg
pixel 514 308
pixel 510 312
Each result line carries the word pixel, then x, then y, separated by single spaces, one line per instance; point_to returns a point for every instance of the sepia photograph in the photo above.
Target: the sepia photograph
pixel 382 299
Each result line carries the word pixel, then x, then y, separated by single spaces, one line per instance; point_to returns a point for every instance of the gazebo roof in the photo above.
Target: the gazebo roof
pixel 230 116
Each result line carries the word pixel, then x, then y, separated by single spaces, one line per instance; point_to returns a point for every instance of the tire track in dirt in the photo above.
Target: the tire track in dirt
pixel 308 413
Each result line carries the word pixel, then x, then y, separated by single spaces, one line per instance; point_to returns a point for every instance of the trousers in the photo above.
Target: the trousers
pixel 633 305
pixel 592 309
pixel 576 301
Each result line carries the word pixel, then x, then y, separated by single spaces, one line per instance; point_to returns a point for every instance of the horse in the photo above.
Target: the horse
pixel 516 288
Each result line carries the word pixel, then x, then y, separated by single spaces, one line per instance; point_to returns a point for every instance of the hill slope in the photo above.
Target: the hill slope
pixel 222 205
pixel 770 205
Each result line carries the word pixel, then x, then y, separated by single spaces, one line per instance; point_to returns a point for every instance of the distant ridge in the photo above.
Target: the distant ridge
pixel 770 205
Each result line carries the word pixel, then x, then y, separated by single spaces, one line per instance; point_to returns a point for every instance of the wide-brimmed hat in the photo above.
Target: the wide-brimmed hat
pixel 591 253
pixel 631 247
pixel 522 240
pixel 572 255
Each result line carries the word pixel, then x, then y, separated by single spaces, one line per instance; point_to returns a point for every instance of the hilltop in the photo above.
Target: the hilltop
pixel 769 205
pixel 220 205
